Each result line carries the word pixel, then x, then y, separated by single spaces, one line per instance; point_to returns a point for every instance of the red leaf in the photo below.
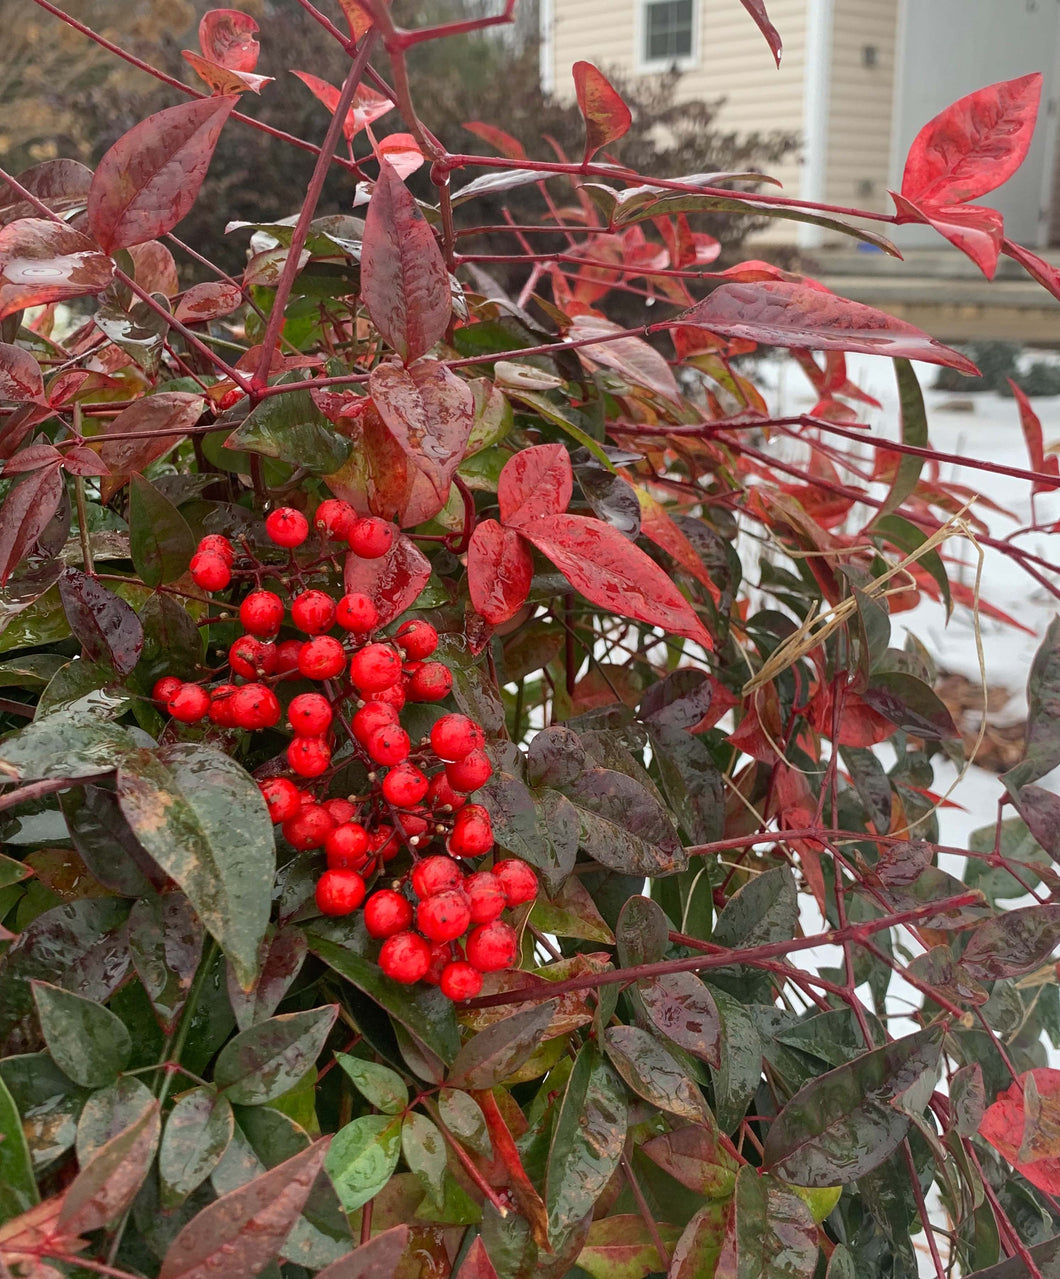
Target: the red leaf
pixel 226 36
pixel 404 282
pixel 82 461
pixel 208 301
pixel 402 151
pixel 534 482
pixel 499 572
pixel 149 178
pixel 379 1258
pixel 392 582
pixel 168 416
pixel 607 118
pixel 476 1264
pixel 359 19
pixel 110 1179
pixel 224 79
pixel 613 573
pixel 42 261
pixel 154 268
pixel 797 315
pixel 503 142
pixel 975 230
pixel 60 184
pixel 21 380
pixel 430 412
pixel 24 514
pixel 1012 1131
pixel 368 106
pixel 1044 272
pixel 974 145
pixel 33 458
pixel 658 526
pixel 630 357
pixel 757 10
pixel 1049 464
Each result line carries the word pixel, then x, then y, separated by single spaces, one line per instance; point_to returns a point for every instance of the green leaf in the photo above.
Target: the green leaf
pixel 12 872
pixel 623 826
pixel 48 1102
pixel 690 780
pixel 622 1248
pixel 165 944
pixel 382 1087
pixel 914 431
pixel 652 1071
pixel 262 1063
pixel 87 1041
pixel 909 537
pixel 587 1141
pixel 642 932
pixel 283 954
pixel 700 1245
pixel 694 1156
pixel 537 827
pixel 425 1153
pixel 496 1052
pixel 18 1187
pixel 70 743
pixel 160 541
pixel 764 910
pixel 202 818
pixel 463 1116
pixel 1041 754
pixel 841 1125
pixel 910 704
pixel 571 912
pixel 736 1078
pixel 291 428
pixel 684 1010
pixel 196 1135
pixel 33 670
pixel 109 1111
pixel 775 1235
pixel 362 1158
pixel 967 1099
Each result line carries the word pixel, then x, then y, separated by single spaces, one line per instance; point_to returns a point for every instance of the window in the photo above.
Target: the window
pixel 669 32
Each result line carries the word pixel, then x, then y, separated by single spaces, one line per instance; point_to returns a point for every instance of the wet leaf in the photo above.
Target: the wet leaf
pixel 109 1182
pixel 910 704
pixel 1041 753
pixel 634 361
pixel 536 481
pixel 607 118
pixel 540 828
pixel 203 820
pixel 764 910
pixel 642 932
pixel 757 10
pixel 168 416
pixel 1022 1124
pixel 463 1116
pixel 20 377
pixel 106 843
pixel 27 509
pixel 291 428
pixel 108 628
pixel 60 184
pixel 87 1041
pixel 571 912
pixel 841 1125
pixel 776 1237
pixel 394 581
pixel 382 1087
pixel 652 1071
pixel 701 1244
pixel 109 1111
pixel 149 178
pixel 43 261
pixel 679 701
pixel 500 570
pixel 967 1099
pixel 160 540
pixel 1013 943
pixel 227 37
pixel 266 1060
pixel 424 1149
pixel 495 1053
pixel 283 953
pixel 165 944
pixel 210 301
pixel 623 826
pixel 684 1010
pixel 362 1158
pixel 622 1248
pixel 196 1135
pixel 18 1187
pixel 376 1259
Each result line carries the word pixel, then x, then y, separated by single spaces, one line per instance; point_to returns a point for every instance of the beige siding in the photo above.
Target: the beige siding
pixel 861 104
pixel 733 62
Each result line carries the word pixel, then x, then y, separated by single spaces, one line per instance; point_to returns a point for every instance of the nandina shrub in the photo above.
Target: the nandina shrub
pixel 427 853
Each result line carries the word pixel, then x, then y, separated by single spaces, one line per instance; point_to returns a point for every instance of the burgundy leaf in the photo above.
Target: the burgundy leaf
pixel 975 230
pixel 534 482
pixel 108 628
pixel 430 412
pixel 1048 464
pixel 224 79
pixel 477 1265
pixel 167 416
pixel 60 184
pixel 499 571
pixel 149 178
pixel 613 573
pixel 203 302
pixel 607 118
pixel 797 315
pixel 503 142
pixel 757 10
pixel 24 515
pixel 110 1180
pixel 376 1259
pixel 630 357
pixel 392 582
pixel 242 1231
pixel 33 458
pixel 404 282
pixel 154 268
pixel 20 376
pixel 42 261
pixel 226 36
pixel 974 145
pixel 368 106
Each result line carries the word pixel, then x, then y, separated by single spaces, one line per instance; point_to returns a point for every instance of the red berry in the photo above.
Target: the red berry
pixel 188 704
pixel 383 843
pixel 404 786
pixel 436 875
pixel 375 667
pixel 335 518
pixel 454 736
pixel 210 571
pixel 372 716
pixel 431 682
pixel 165 688
pixel 386 913
pixel 405 957
pixel 286 526
pixel 283 798
pixel 441 796
pixel 322 657
pixel 472 832
pixel 441 957
pixel 309 715
pixel 443 917
pixel 393 696
pixel 309 827
pixel 221 708
pixel 412 826
pixel 341 809
pixel 357 613
pixel 339 892
pixel 517 879
pixel 417 639
pixel 348 840
pixel 309 756
pixel 460 981
pixel 287 652
pixel 492 947
pixel 252 657
pixel 389 745
pixel 217 544
pixel 313 612
pixel 485 895
pixel 469 773
pixel 261 613
pixel 255 707
pixel 371 537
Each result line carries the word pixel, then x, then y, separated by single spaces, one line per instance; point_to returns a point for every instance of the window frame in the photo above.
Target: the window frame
pixel 655 66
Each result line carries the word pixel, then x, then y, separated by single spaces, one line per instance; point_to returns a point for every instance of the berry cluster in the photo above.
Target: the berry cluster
pixel 418 792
